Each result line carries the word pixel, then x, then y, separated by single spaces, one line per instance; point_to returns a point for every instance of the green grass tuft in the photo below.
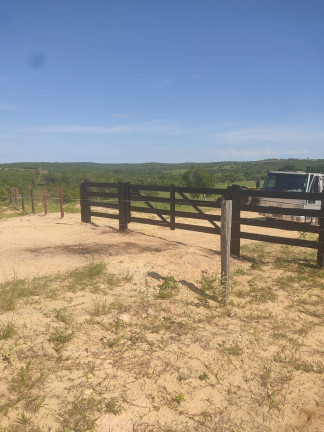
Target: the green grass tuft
pixel 7 330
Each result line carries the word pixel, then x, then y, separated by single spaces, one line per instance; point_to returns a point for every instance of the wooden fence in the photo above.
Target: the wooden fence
pixel 169 203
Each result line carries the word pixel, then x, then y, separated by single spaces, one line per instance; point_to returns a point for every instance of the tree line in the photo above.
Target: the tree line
pixel 213 174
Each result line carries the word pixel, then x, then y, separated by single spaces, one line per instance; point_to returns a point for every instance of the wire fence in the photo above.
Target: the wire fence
pixel 27 201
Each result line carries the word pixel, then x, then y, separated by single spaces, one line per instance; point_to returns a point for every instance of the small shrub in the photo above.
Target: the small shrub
pixel 203 377
pixel 179 398
pixel 110 342
pixel 112 406
pixel 168 289
pixel 211 284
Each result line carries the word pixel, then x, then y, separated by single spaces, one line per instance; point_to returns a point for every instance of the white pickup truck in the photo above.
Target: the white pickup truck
pixel 281 181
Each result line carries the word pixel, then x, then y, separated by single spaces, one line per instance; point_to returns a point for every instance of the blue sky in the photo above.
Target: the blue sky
pixel 161 80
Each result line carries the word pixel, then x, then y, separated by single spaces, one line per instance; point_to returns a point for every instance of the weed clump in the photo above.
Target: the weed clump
pixel 82 415
pixel 112 406
pixel 60 337
pixel 86 276
pixel 211 285
pixel 7 330
pixel 17 289
pixel 64 315
pixel 168 289
pixel 100 307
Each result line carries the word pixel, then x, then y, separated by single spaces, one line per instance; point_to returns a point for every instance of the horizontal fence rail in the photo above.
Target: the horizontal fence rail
pixel 166 204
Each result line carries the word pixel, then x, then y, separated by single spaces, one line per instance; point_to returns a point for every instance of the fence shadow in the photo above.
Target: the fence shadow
pixel 211 251
pixel 192 287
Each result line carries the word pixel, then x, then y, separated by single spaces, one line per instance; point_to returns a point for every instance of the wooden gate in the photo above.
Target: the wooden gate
pixel 167 205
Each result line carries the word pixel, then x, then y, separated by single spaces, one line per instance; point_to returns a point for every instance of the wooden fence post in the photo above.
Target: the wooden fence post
pixel 32 200
pixel 22 200
pixel 236 225
pixel 85 203
pixel 61 201
pixel 16 196
pixel 122 205
pixel 226 224
pixel 320 250
pixel 128 201
pixel 44 200
pixel 172 207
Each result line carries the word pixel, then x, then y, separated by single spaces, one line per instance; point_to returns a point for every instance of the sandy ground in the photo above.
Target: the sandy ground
pixel 142 363
pixel 37 245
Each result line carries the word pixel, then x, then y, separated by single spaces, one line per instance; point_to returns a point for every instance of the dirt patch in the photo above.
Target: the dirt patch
pixel 106 250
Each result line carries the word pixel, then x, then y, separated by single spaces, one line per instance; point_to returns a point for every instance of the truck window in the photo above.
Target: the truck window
pixel 286 182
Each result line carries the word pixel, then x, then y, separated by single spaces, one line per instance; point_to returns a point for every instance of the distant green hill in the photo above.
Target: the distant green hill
pixel 69 174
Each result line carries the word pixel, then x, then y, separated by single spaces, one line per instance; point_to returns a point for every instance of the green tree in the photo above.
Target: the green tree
pixel 198 178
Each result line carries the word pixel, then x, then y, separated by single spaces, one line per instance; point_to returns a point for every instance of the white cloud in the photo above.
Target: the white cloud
pixel 267 141
pixel 158 140
pixel 297 134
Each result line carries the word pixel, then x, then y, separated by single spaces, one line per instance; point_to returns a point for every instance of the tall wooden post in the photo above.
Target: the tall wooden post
pixel 320 250
pixel 22 200
pixel 32 200
pixel 85 203
pixel 226 224
pixel 61 201
pixel 128 201
pixel 172 207
pixel 122 205
pixel 16 196
pixel 236 225
pixel 44 200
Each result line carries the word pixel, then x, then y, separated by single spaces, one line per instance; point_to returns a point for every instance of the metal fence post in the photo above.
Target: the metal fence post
pixel 22 200
pixel 320 250
pixel 10 196
pixel 32 200
pixel 85 203
pixel 44 200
